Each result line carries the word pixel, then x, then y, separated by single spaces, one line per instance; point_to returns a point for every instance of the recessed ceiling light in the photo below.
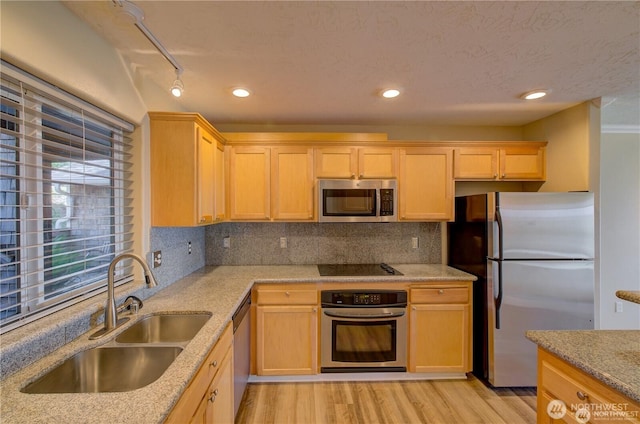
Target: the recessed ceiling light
pixel 390 93
pixel 241 92
pixel 535 94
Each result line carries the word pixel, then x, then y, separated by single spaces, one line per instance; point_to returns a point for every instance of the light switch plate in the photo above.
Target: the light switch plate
pixel 157 258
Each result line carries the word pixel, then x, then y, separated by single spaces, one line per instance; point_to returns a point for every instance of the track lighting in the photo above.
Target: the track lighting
pixel 178 87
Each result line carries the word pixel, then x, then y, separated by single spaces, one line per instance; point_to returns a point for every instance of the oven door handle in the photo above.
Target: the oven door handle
pixel 364 316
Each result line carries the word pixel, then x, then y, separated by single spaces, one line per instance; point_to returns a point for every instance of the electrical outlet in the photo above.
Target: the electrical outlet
pixel 189 247
pixel 157 258
pixel 283 242
pixel 226 242
pixel 414 242
pixel 618 306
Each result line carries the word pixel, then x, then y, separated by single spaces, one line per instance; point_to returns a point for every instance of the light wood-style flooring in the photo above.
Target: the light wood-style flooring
pixel 406 402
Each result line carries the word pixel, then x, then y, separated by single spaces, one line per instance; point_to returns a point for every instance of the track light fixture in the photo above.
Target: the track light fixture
pixel 128 8
pixel 178 87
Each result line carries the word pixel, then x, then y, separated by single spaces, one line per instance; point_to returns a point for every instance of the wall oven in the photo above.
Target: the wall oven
pixel 357 200
pixel 363 330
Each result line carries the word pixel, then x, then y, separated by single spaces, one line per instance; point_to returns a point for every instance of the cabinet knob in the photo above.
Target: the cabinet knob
pixel 315 309
pixel 582 395
pixel 287 293
pixel 495 175
pixel 413 307
pixel 441 291
pixel 353 176
pixel 504 175
pixel 213 363
pixel 212 398
pixel 361 176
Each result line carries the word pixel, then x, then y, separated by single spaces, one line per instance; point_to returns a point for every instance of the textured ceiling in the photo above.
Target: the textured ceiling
pixel 310 62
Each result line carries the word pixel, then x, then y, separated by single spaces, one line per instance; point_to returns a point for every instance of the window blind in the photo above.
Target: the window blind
pixel 65 198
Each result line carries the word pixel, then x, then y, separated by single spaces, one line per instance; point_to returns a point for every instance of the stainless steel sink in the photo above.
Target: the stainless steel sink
pixel 164 328
pixel 107 369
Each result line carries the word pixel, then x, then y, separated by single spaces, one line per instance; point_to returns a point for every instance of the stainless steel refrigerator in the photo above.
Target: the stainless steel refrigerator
pixel 533 256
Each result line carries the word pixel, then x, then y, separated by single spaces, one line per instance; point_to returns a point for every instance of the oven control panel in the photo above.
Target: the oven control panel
pixel 359 298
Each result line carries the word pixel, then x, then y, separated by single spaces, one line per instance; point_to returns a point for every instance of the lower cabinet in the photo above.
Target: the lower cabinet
pixel 209 396
pixel 583 398
pixel 440 339
pixel 287 330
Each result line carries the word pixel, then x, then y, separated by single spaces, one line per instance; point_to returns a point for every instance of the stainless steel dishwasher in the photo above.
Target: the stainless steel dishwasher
pixel 241 350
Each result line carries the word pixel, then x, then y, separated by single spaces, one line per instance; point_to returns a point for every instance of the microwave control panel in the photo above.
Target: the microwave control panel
pixel 386 202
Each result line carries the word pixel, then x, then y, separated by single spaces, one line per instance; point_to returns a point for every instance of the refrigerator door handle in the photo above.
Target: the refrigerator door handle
pixel 497 300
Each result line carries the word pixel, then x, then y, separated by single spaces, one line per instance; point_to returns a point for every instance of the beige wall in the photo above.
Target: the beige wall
pixel 569 134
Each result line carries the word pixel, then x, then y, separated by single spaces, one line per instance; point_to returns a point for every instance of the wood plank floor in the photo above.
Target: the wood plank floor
pixel 403 402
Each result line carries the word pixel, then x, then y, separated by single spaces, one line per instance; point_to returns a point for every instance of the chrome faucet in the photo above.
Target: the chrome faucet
pixel 111 321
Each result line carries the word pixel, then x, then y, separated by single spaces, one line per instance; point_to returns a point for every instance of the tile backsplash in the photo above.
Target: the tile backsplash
pixel 311 243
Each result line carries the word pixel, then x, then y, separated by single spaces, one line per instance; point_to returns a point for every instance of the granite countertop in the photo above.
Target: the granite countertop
pixel 630 295
pixel 611 356
pixel 218 290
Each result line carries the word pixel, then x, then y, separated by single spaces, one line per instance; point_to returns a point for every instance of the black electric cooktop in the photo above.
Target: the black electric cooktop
pixel 359 270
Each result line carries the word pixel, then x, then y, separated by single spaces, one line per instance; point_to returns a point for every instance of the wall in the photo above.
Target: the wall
pixel 312 243
pixel 620 236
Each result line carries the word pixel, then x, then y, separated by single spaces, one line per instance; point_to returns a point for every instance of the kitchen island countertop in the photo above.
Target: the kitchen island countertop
pixel 611 356
pixel 218 290
pixel 630 295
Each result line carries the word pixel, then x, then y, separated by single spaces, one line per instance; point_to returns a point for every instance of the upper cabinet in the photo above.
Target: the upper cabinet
pixel 183 170
pixel 426 184
pixel 271 183
pixel 292 185
pixel 356 162
pixel 514 161
pixel 250 183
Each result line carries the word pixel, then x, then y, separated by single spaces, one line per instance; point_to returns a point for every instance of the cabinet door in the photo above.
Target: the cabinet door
pixel 287 340
pixel 426 184
pixel 522 163
pixel 249 183
pixel 220 193
pixel 206 176
pixel 292 183
pixel 439 340
pixel 480 163
pixel 336 162
pixel 377 162
pixel 220 396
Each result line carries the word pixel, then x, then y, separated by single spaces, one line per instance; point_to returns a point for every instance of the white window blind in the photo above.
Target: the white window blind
pixel 65 205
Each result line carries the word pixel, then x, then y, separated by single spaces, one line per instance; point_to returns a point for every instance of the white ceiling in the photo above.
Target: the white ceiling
pixel 462 63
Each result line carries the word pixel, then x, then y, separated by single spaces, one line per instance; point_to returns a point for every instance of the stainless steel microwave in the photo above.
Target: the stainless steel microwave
pixel 357 200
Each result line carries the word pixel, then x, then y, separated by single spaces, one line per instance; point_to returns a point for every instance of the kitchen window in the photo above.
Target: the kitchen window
pixel 65 207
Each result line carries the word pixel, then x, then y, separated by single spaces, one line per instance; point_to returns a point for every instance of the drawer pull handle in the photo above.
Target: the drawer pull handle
pixel 582 396
pixel 440 291
pixel 213 363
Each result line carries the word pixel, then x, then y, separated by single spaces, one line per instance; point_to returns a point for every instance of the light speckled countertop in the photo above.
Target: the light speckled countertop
pixel 611 356
pixel 218 290
pixel 630 295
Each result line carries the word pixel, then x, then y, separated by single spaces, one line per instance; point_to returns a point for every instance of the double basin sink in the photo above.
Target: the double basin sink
pixel 135 358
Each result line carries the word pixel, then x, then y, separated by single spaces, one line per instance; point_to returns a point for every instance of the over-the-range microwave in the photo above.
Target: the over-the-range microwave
pixel 357 200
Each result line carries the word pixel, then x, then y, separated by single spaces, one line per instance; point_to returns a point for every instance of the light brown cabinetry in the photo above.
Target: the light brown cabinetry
pixel 426 184
pixel 292 183
pixel 286 330
pixel 250 183
pixel 209 396
pixel 440 328
pixel 586 399
pixel 519 162
pixel 271 183
pixel 183 173
pixel 356 162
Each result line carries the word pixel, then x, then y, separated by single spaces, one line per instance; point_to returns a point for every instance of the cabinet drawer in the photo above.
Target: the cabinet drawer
pixel 579 392
pixel 440 295
pixel 287 297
